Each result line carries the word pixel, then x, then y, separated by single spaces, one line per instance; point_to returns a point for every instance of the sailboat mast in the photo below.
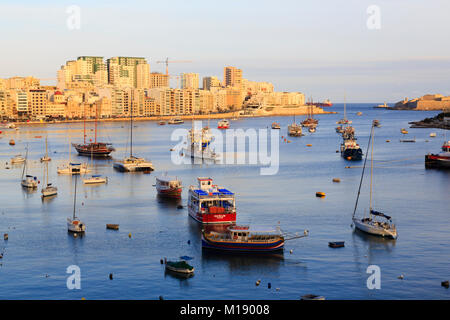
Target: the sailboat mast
pixel 75 198
pixel 371 171
pixel 96 117
pixel 25 163
pixel 46 148
pixel 84 124
pixel 362 174
pixel 345 108
pixel 131 128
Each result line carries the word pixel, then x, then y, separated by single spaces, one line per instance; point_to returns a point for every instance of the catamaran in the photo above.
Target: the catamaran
pixel 209 204
pixel 133 163
pixel 377 223
pixel 74 224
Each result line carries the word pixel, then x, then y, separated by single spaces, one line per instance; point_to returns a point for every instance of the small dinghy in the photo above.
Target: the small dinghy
pixel 17 159
pixel 95 179
pixel 179 267
pixel 336 244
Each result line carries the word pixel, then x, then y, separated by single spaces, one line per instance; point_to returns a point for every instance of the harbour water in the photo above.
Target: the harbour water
pixel 39 249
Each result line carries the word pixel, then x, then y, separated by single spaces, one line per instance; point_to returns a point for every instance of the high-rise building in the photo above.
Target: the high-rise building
pixel 123 71
pixel 89 69
pixel 210 82
pixel 232 77
pixel 37 102
pixel 189 81
pixel 159 80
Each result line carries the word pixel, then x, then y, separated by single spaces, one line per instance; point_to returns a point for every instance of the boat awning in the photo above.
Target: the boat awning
pixel 225 191
pixel 201 192
pixel 96 175
pixel 380 214
pixel 75 164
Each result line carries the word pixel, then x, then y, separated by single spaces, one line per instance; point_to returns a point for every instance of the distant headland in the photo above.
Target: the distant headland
pixel 424 103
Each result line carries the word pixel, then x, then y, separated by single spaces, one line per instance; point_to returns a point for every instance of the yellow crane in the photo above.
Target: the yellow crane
pixel 167 61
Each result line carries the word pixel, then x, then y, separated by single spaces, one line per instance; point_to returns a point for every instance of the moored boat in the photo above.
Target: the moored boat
pixel 169 187
pixel 12 142
pixel 176 121
pixel 29 182
pixel 275 125
pixel 223 124
pixel 312 297
pixel 440 160
pixel 351 151
pixel 73 168
pixel 74 224
pixel 17 159
pixel 95 179
pixel 404 131
pixel 295 130
pixel 211 204
pixel 94 149
pixel 179 267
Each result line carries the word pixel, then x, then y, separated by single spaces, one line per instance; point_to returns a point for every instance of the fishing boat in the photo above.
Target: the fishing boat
pixel 198 145
pixel 377 223
pixel 17 159
pixel 96 149
pixel 74 224
pixel 176 121
pixel 350 150
pixel 404 131
pixel 276 126
pixel 169 187
pixel 46 157
pixel 440 160
pixel 12 142
pixel 246 239
pixel 223 124
pixel 179 267
pixel 211 204
pixel 133 163
pixel 294 129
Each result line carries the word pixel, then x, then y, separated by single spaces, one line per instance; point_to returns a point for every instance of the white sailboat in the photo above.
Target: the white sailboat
pixel 95 178
pixel 133 163
pixel 74 224
pixel 73 168
pixel 28 181
pixel 49 189
pixel 377 223
pixel 344 120
pixel 17 159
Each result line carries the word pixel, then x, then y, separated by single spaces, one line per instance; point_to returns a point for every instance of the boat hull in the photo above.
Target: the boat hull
pixel 132 167
pixel 352 154
pixel 48 192
pixel 242 246
pixel 170 192
pixel 376 231
pixel 94 150
pixel 436 161
pixel 213 218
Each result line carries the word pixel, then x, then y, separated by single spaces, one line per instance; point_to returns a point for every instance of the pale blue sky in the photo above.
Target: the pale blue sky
pixel 321 48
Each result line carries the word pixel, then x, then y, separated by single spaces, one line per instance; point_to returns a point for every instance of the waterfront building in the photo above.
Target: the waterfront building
pixel 158 80
pixel 232 77
pixel 211 82
pixel 189 80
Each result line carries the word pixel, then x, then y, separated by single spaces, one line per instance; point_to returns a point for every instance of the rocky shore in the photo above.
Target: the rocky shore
pixel 441 121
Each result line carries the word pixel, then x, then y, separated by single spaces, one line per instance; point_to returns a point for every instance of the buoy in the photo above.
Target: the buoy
pixel 5 236
pixel 83 298
pixel 110 276
pixel 400 277
pixel 349 158
pixel 388 140
pixel 290 251
pixel 445 284
pixel 309 145
pixel 258 282
pixel 162 261
pixel 320 194
pixel 336 180
pixel 189 242
pixel 75 235
pixel 129 235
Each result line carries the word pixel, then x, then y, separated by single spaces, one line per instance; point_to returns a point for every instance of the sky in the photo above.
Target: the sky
pixel 323 48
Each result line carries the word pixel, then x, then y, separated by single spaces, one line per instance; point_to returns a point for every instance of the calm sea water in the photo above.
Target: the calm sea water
pixel 39 248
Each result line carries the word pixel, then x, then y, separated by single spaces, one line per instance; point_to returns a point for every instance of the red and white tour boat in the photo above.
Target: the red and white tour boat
pixel 211 204
pixel 169 187
pixel 223 124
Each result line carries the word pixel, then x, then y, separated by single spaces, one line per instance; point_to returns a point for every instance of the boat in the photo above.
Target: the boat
pixel 161 122
pixel 179 267
pixel 169 187
pixel 176 121
pixel 310 121
pixel 17 159
pixel 133 163
pixel 12 142
pixel 46 157
pixel 336 244
pixel 408 140
pixel 96 149
pixel 95 179
pixel 223 124
pixel 74 224
pixel 276 125
pixel 440 160
pixel 72 168
pixel 294 129
pixel 377 223
pixel 344 120
pixel 312 129
pixel 350 150
pixel 10 126
pixel 198 145
pixel 348 133
pixel 312 297
pixel 28 181
pixel 325 103
pixel 433 134
pixel 376 123
pixel 381 106
pixel 49 190
pixel 211 204
pixel 359 113
pixel 340 129
pixel 404 131
pixel 246 239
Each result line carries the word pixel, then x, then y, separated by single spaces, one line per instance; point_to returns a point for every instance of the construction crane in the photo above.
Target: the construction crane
pixel 167 61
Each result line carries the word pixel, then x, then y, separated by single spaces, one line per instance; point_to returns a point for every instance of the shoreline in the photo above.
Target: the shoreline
pixel 227 115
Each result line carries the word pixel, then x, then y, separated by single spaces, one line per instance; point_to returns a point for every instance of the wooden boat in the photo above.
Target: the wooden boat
pixel 320 194
pixel 17 159
pixel 336 244
pixel 377 223
pixel 179 267
pixel 169 187
pixel 275 125
pixel 74 224
pixel 112 226
pixel 294 129
pixel 312 297
pixel 12 142
pixel 246 239
pixel 310 121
